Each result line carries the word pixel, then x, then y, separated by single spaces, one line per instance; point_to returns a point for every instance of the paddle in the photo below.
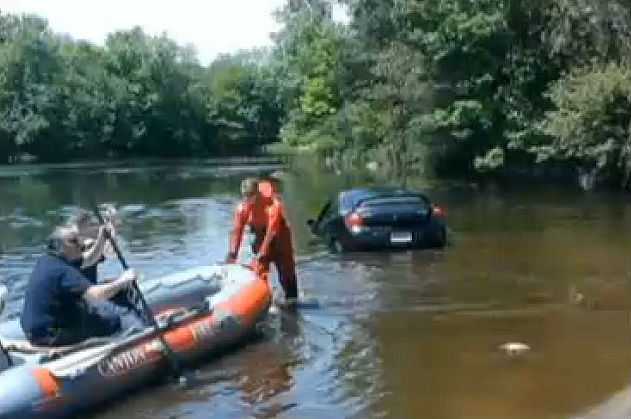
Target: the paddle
pixel 172 358
pixel 4 292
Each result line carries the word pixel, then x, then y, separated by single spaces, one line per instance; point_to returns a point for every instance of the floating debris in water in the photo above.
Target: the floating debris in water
pixel 65 211
pixel 574 296
pixel 120 170
pixel 514 348
pixel 132 209
pixel 18 219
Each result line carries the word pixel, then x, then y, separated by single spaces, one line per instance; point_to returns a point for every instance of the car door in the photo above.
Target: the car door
pixel 330 220
pixel 318 225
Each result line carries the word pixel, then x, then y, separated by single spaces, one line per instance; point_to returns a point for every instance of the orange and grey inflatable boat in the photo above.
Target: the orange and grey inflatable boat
pixel 201 311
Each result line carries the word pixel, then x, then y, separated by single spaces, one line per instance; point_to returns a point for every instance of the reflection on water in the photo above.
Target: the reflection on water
pixel 396 335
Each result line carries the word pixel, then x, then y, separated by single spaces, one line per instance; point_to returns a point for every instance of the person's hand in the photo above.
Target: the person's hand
pixel 231 258
pixel 111 216
pixel 108 229
pixel 87 243
pixel 128 277
pixel 258 265
pixel 104 232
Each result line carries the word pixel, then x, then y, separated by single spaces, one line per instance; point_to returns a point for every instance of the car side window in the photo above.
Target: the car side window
pixel 345 203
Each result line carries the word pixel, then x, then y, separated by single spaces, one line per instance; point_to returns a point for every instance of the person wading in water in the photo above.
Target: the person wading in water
pixel 262 210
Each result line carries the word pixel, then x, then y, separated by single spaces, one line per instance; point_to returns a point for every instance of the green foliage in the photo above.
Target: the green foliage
pixel 467 82
pixel 591 122
pixel 308 55
pixel 139 95
pixel 447 85
pixel 242 101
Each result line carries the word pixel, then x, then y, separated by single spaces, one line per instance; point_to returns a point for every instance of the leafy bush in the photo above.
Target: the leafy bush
pixel 591 123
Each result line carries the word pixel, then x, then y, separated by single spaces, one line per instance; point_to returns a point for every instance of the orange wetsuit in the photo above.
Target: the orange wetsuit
pixel 265 214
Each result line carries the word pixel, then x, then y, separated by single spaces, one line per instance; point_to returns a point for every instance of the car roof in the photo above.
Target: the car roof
pixel 353 197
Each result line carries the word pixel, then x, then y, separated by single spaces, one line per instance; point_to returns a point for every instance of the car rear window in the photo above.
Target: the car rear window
pixel 361 198
pixel 398 200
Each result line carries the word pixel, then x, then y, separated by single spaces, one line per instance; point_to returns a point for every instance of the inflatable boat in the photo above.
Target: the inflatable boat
pixel 200 311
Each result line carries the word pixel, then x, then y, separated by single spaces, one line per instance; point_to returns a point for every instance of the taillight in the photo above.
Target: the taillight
pixel 438 211
pixel 354 222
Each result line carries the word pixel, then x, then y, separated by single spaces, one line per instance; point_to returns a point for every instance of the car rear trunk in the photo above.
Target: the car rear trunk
pixel 395 212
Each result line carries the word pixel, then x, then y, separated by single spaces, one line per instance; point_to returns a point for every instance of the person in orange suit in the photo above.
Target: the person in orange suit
pixel 263 211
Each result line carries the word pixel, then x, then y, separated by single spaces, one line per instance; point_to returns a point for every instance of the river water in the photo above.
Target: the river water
pixel 412 334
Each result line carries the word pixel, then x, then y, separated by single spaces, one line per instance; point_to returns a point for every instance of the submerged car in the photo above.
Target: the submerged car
pixel 373 218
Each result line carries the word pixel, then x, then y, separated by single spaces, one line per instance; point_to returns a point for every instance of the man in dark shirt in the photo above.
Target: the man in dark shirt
pixel 56 306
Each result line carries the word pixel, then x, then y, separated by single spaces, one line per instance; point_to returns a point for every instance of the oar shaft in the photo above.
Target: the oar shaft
pixel 175 365
pixel 117 250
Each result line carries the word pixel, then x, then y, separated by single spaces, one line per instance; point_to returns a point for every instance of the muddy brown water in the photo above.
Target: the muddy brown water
pixel 410 334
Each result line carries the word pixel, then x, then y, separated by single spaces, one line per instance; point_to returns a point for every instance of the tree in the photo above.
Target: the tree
pixel 308 52
pixel 591 125
pixel 29 63
pixel 140 95
pixel 242 101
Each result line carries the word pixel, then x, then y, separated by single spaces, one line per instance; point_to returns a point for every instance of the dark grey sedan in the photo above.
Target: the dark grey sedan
pixel 376 218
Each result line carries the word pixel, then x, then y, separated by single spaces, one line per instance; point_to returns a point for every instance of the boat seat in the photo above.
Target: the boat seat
pixel 14 340
pixel 26 347
pixel 20 349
